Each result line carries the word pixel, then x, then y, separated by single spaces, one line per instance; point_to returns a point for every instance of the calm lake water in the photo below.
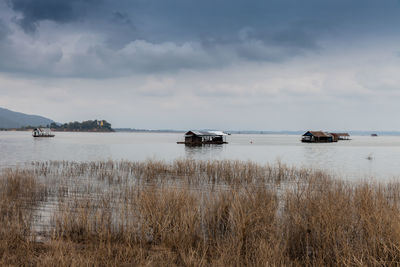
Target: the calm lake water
pixel 345 158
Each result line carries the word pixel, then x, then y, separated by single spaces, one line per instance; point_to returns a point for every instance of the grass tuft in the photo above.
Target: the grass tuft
pixel 187 213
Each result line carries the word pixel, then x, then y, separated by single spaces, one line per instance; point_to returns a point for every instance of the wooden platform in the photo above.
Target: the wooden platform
pixel 38 136
pixel 202 143
pixel 309 141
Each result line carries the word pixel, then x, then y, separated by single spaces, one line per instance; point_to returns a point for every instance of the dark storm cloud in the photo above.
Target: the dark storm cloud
pixel 163 20
pixel 61 11
pixel 4 30
pixel 122 18
pixel 137 36
pixel 223 18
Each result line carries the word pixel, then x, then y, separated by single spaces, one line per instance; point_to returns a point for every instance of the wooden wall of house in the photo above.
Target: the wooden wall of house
pixel 193 139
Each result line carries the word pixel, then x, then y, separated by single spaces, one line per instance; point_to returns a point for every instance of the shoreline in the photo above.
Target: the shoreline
pixel 234 132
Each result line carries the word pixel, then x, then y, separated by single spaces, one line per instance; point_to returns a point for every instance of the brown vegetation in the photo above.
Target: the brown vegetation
pixel 190 213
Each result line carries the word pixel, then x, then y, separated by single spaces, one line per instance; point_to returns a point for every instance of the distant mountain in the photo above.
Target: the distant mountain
pixel 12 119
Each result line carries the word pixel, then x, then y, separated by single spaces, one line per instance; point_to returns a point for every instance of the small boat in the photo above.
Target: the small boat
pixel 42 132
pixel 374 135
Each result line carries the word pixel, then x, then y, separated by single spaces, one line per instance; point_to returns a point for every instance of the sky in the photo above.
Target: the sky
pixel 210 64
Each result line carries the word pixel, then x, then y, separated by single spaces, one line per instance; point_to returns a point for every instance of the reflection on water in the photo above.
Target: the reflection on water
pixel 315 154
pixel 206 151
pixel 349 158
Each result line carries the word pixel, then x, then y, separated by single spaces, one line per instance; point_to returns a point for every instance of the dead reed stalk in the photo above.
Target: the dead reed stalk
pixel 199 213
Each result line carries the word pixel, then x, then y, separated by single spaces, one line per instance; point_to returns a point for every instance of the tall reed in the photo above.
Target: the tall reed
pixel 187 213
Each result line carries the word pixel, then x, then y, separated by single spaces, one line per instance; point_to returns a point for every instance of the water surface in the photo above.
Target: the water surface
pixel 346 158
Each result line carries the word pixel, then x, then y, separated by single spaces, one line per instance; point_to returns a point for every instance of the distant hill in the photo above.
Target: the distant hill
pixel 12 119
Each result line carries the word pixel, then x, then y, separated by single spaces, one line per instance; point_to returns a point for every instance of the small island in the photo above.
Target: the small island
pixel 85 126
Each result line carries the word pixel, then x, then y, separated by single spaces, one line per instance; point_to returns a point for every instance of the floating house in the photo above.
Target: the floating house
pixel 42 132
pixel 204 137
pixel 341 136
pixel 318 137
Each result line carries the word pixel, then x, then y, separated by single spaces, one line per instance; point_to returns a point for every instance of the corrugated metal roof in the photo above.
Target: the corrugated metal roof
pixel 205 133
pixel 217 132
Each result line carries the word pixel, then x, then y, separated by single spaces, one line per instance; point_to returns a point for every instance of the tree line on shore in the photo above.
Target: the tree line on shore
pixel 90 125
pixel 84 126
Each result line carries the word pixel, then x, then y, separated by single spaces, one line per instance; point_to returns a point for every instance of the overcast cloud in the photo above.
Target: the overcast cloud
pixel 266 65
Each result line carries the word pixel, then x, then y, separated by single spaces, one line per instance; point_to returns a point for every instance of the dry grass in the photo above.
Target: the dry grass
pixel 19 194
pixel 194 213
pixel 331 222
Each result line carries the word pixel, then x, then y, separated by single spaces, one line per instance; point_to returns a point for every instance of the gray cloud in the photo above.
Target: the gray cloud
pixel 122 18
pixel 61 11
pixel 115 38
pixel 104 58
pixel 4 30
pixel 249 61
pixel 177 19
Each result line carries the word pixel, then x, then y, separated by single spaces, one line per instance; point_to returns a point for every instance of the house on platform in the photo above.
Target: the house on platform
pixel 204 137
pixel 318 137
